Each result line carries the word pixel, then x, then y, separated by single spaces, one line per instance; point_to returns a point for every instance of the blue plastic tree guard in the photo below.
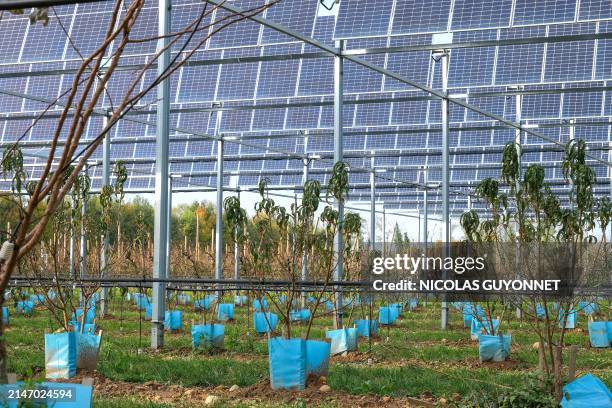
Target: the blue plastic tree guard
pixel 91 302
pixel 329 306
pixel 609 327
pixel 310 299
pixel 173 320
pixel 570 323
pixel 90 315
pixel 540 312
pixel 478 326
pixel 412 304
pixel 342 340
pixel 299 315
pixel 72 395
pixel 37 299
pixel 87 346
pixel 208 335
pixel 25 307
pixel 317 358
pixel 257 305
pixel 292 360
pixel 587 391
pixel 398 308
pixel 143 301
pixel 598 334
pixel 148 312
pixel 240 300
pixel 362 328
pixel 60 355
pixel 204 304
pixel 89 327
pixel 467 319
pixel 183 299
pixel 494 348
pixel 265 323
pixel 5 316
pixel 387 315
pixel 588 308
pixel 225 312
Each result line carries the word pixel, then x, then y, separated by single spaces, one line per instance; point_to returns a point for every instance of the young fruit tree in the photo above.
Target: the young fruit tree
pixel 535 238
pixel 72 141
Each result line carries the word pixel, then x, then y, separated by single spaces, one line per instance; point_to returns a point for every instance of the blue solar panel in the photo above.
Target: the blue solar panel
pixel 372 114
pixel 197 84
pixel 42 87
pixel 234 33
pixel 570 61
pixel 472 66
pixel 239 80
pixel 269 119
pixel 413 65
pixel 582 104
pixel 418 16
pixel 45 43
pixel 11 38
pixel 303 118
pixel 496 105
pixel 412 140
pixel 544 11
pixel 409 22
pixel 360 79
pixel 594 9
pixel 278 78
pixel 237 120
pixel 88 34
pixel 481 14
pixel 298 16
pixel 316 77
pixel 363 18
pixel 410 112
pixel 603 68
pixel 520 63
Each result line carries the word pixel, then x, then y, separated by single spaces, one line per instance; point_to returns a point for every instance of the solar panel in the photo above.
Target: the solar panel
pixel 546 11
pixel 417 16
pixel 363 18
pixel 380 113
pixel 481 14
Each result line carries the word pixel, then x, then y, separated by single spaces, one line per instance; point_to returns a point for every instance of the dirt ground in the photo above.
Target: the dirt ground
pixel 256 394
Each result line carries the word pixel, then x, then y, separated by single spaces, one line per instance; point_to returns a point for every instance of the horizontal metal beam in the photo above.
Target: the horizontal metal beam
pixel 478 44
pixel 264 104
pixel 318 132
pixel 189 63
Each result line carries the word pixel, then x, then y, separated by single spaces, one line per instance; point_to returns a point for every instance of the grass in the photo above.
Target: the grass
pixel 413 357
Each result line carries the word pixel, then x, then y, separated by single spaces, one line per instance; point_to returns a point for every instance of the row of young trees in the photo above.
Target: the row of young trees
pixel 535 237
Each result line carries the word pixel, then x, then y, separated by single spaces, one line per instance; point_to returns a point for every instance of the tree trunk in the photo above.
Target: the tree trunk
pixel 3 353
pixel 558 365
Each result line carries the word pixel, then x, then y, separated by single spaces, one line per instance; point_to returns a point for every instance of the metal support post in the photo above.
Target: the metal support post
pixel 219 224
pixel 161 233
pixel 339 157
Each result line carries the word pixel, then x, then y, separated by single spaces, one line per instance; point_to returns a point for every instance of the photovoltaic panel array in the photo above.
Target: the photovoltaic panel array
pixel 276 90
